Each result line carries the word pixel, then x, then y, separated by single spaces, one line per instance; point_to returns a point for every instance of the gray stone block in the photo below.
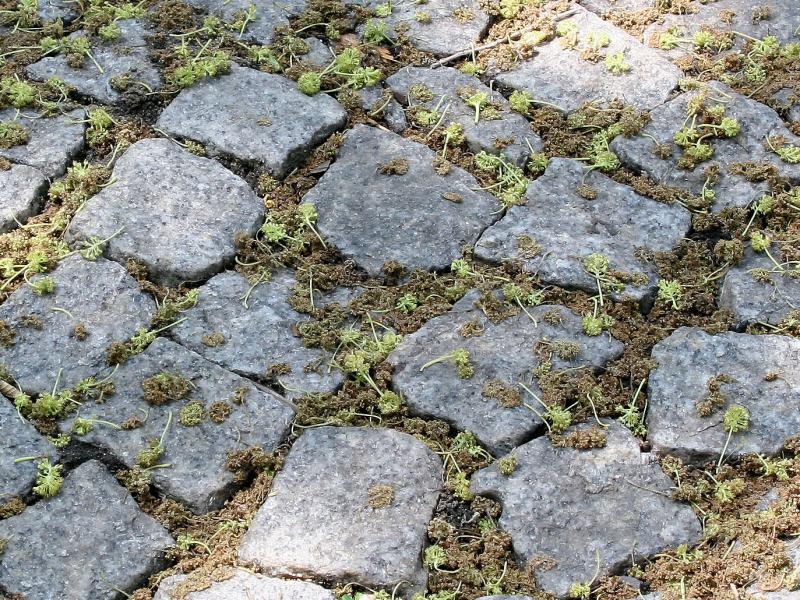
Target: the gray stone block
pixel 99 295
pixel 178 213
pixel 374 218
pixel 351 504
pixel 254 116
pixel 578 507
pixel 21 190
pixel 763 378
pixel 197 475
pixel 568 228
pixel 86 543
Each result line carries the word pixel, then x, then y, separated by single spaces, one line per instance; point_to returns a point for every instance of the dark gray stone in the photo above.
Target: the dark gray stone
pixel 197 475
pixel 100 295
pixel 783 21
pixel 257 335
pixel 52 142
pixel 201 207
pixel 569 228
pixel 244 585
pixel 752 300
pixel 82 544
pixel 254 116
pixel 505 352
pixel 20 440
pixel 688 359
pixel 601 7
pixel 319 53
pixel 21 189
pixel 50 10
pixel 562 77
pixel 453 25
pixel 318 520
pixel 445 83
pixel 757 122
pixel 374 100
pixel 127 55
pixel 574 506
pixel 269 15
pixel 505 598
pixel 373 218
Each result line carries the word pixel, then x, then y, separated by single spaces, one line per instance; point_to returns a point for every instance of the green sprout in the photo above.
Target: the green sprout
pixel 460 358
pixel 477 100
pixel 670 290
pixel 48 479
pixel 148 457
pixel 453 133
pixel 407 303
pixel 376 31
pixel 616 65
pixel 556 418
pixel 82 426
pixel 735 420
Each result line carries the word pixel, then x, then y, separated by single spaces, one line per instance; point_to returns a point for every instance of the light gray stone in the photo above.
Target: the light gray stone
pixel 269 15
pixel 569 228
pixel 178 213
pixel 379 101
pixel 752 300
pixel 50 10
pixel 560 76
pixel 783 21
pixel 446 84
pixel 99 295
pixel 257 335
pixel 244 585
pixel 126 56
pixel 52 142
pixel 21 189
pixel 757 122
pixel 577 507
pixel 82 544
pixel 504 352
pixel 453 24
pixel 20 440
pixel 601 7
pixel 373 218
pixel 319 53
pixel 688 359
pixel 254 116
pixel 319 522
pixel 505 598
pixel 197 454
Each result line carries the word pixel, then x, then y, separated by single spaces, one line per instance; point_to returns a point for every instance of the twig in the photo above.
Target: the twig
pixel 8 390
pixel 507 39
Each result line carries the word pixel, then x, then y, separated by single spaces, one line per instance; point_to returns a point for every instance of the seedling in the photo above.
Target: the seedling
pixel 556 418
pixel 514 293
pixel 788 153
pixel 453 133
pixel 148 457
pixel 48 479
pixel 597 266
pixel 376 31
pixel 82 426
pixel 407 303
pixel 736 420
pixel 615 63
pixel 775 467
pixel 460 358
pixel 477 100
pixel 16 92
pixel 511 183
pixel 435 557
pixel 671 291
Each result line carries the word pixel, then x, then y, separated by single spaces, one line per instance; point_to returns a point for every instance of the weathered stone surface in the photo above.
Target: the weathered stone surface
pixel 781 20
pixel 453 24
pixel 21 189
pixel 52 142
pixel 201 206
pixel 50 10
pixel 126 56
pixel 322 518
pixel 687 362
pixel 569 228
pixel 197 454
pixel 258 335
pixel 752 299
pixel 504 352
pixel 99 295
pixel 505 598
pixel 602 7
pixel 269 14
pixel 20 440
pixel 574 506
pixel 447 85
pixel 562 77
pixel 244 585
pixel 319 53
pixel 373 217
pixel 380 101
pixel 82 544
pixel 757 122
pixel 254 116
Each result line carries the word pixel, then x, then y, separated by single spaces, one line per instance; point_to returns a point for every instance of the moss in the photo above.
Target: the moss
pixel 505 395
pixel 582 439
pixel 396 166
pixel 212 340
pixel 7 334
pixel 163 388
pixel 380 496
pixel 219 412
pixel 507 465
pixel 12 134
pixel 192 414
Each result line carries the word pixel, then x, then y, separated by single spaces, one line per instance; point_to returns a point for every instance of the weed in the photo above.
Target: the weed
pixel 48 478
pixel 736 420
pixel 616 65
pixel 460 358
